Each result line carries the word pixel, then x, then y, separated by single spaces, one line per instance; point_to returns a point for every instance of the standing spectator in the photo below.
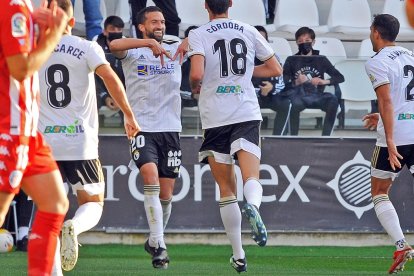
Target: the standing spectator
pixel 25 159
pixel 391 72
pixel 154 93
pixel 113 27
pixel 93 17
pixel 169 10
pixel 222 56
pixel 69 122
pixel 269 96
pixel 303 74
pixel 270 10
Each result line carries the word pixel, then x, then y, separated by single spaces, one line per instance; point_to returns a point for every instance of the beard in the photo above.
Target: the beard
pixel 157 38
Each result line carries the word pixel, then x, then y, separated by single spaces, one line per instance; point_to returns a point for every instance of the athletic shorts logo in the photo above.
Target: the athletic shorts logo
pixel 15 178
pixel 135 155
pixel 174 158
pixel 18 25
pixel 142 70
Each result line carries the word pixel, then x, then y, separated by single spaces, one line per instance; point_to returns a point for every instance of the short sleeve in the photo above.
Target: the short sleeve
pixel 96 56
pixel 263 49
pixel 195 44
pixel 377 72
pixel 15 34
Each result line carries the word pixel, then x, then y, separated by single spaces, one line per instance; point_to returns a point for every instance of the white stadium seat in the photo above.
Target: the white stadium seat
pixel 281 47
pixel 351 17
pixel 330 47
pixel 365 49
pixel 191 12
pixel 292 14
pixel 248 11
pixel 397 9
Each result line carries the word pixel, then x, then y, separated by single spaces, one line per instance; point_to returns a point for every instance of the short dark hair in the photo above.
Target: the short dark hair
pixel 263 30
pixel 115 21
pixel 187 31
pixel 218 6
pixel 65 5
pixel 305 30
pixel 141 15
pixel 387 26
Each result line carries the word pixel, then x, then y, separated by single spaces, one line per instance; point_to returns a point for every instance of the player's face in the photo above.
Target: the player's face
pixel 372 36
pixel 154 26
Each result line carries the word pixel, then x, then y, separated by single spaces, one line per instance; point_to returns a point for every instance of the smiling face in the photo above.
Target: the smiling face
pixel 153 26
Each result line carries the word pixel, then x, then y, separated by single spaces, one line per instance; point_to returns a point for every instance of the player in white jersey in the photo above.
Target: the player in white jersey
pixel 69 123
pixel 153 89
pixel 391 71
pixel 222 56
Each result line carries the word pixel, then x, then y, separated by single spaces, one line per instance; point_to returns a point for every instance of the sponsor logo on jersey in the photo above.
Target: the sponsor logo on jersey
pixel 75 128
pixel 229 89
pixel 141 57
pixel 174 158
pixel 18 25
pixel 15 178
pixel 151 70
pixel 372 78
pixel 405 116
pixel 352 185
pixel 5 137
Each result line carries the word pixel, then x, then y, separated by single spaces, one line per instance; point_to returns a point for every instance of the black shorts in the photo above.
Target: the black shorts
pixel 380 165
pixel 83 175
pixel 223 142
pixel 161 148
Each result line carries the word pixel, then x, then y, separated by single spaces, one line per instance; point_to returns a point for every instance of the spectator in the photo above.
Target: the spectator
pixel 93 17
pixel 270 10
pixel 113 27
pixel 303 74
pixel 269 96
pixel 188 99
pixel 169 10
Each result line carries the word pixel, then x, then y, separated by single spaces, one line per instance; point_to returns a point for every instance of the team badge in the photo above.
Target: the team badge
pixel 18 25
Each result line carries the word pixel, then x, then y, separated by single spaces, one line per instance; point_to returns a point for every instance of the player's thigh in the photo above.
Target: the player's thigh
pixel 216 144
pixel 224 176
pixel 169 153
pixel 144 150
pixel 47 192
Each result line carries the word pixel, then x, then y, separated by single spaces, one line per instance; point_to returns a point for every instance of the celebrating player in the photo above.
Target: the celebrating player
pixel 25 159
pixel 391 72
pixel 222 56
pixel 69 122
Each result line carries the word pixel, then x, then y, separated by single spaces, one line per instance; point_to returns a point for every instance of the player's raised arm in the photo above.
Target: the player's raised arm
pixel 117 92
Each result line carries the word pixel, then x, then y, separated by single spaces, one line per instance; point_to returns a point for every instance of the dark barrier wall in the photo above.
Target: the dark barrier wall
pixel 310 184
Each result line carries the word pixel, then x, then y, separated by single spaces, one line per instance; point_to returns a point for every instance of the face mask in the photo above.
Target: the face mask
pixel 305 48
pixel 114 35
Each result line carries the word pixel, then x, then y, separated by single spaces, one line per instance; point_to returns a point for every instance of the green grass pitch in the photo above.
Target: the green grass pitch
pixel 214 260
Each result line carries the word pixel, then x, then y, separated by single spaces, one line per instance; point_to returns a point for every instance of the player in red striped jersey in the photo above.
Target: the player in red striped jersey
pixel 25 159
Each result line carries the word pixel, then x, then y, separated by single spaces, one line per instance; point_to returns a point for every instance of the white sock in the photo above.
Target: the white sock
pixel 23 232
pixel 231 217
pixel 388 218
pixel 153 210
pixel 166 211
pixel 57 265
pixel 253 192
pixel 87 216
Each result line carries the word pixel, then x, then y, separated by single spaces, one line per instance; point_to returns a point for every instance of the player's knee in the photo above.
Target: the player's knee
pixel 62 205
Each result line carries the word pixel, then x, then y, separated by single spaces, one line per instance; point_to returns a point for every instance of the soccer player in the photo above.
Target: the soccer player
pixel 222 56
pixel 153 89
pixel 391 72
pixel 69 122
pixel 25 159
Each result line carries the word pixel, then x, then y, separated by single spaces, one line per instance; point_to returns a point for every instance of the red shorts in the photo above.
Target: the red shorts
pixel 21 157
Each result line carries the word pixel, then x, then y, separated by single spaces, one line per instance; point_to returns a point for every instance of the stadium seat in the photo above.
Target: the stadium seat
pixel 365 49
pixel 281 47
pixel 397 9
pixel 350 17
pixel 191 13
pixel 123 10
pixel 330 47
pixel 292 14
pixel 248 11
pixel 357 91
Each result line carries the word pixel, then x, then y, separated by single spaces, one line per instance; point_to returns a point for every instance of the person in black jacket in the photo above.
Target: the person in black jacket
pixel 303 74
pixel 113 27
pixel 269 97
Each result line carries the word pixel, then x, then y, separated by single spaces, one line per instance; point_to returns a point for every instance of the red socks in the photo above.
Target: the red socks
pixel 42 243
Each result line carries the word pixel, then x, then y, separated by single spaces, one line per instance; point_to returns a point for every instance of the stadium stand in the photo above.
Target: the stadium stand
pixel 191 13
pixel 397 9
pixel 330 47
pixel 281 47
pixel 365 49
pixel 249 11
pixel 292 14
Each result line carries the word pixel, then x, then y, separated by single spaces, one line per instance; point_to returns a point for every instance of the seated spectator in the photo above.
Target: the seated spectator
pixel 188 99
pixel 113 27
pixel 303 74
pixel 269 97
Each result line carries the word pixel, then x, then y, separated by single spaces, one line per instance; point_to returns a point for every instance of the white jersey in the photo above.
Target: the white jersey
pixel 395 65
pixel 68 113
pixel 153 91
pixel 229 47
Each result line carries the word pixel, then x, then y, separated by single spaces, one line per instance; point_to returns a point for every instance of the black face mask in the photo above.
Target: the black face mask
pixel 114 35
pixel 305 48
